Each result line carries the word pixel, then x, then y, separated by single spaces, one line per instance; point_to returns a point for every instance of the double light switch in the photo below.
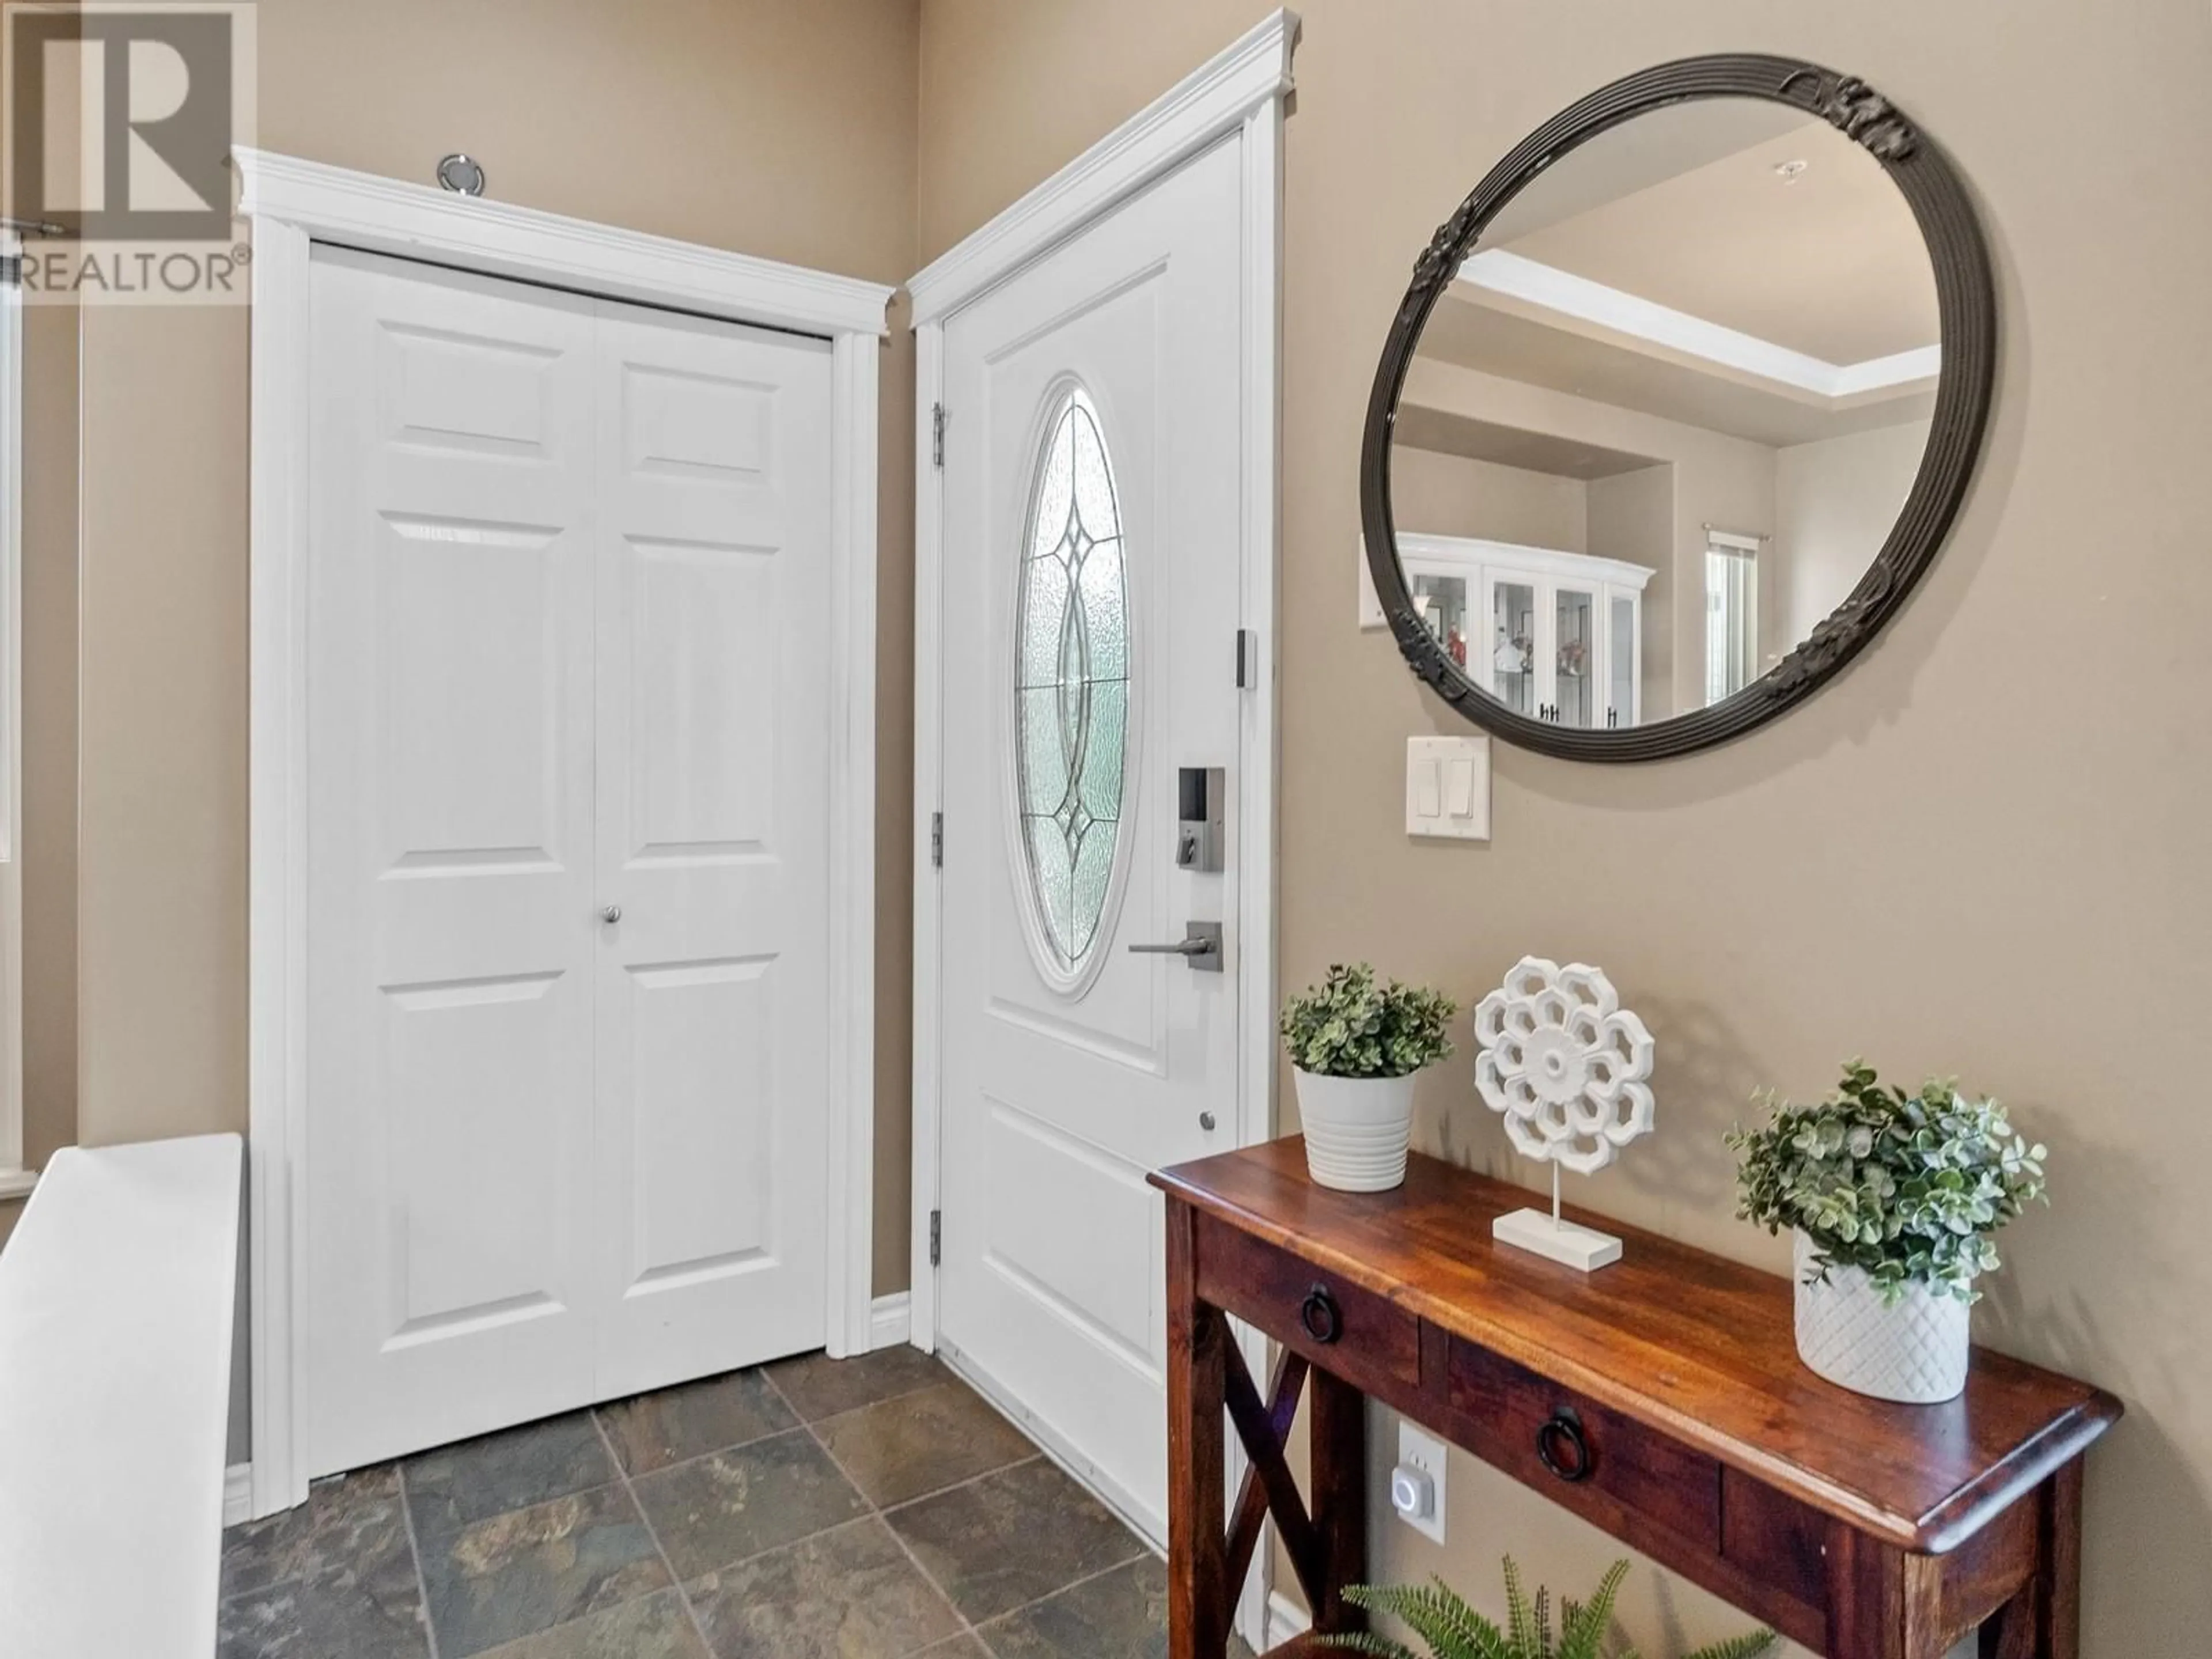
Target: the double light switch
pixel 1448 787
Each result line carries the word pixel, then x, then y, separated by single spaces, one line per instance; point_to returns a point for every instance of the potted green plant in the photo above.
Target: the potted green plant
pixel 1356 1045
pixel 1453 1629
pixel 1892 1198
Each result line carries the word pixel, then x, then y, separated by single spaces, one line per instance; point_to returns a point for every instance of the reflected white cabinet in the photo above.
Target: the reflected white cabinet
pixel 1554 635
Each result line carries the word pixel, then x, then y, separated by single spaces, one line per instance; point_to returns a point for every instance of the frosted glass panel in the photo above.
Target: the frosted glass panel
pixel 1442 602
pixel 1513 645
pixel 1574 657
pixel 1072 695
pixel 1622 658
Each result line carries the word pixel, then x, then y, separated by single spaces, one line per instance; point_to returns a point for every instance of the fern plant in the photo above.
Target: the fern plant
pixel 1453 1629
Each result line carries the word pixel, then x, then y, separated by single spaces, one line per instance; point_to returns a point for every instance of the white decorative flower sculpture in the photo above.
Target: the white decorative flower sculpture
pixel 1566 1065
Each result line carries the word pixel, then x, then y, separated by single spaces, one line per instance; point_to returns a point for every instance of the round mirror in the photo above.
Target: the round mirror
pixel 1679 406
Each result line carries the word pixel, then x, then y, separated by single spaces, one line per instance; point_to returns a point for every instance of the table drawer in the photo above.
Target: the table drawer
pixel 1587 1457
pixel 1362 1337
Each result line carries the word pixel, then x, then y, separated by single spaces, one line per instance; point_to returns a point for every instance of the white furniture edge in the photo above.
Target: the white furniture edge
pixel 295 204
pixel 1213 101
pixel 1241 91
pixel 117 1299
pixel 1617 311
pixel 391 215
pixel 1470 550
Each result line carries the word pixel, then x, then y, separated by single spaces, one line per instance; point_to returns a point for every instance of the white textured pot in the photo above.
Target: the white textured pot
pixel 1357 1128
pixel 1914 1350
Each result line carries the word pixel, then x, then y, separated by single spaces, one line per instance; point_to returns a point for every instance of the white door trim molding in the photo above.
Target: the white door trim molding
pixel 1241 91
pixel 1216 99
pixel 390 215
pixel 293 204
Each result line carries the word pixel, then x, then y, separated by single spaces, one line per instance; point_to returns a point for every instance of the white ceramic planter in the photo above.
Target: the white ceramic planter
pixel 1914 1351
pixel 1357 1128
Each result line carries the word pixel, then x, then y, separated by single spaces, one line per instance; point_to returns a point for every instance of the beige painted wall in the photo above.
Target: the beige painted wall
pixel 1632 517
pixel 1943 859
pixel 49 528
pixel 781 128
pixel 1440 494
pixel 1834 502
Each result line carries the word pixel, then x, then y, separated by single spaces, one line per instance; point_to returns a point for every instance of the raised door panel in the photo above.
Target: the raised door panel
pixel 713 479
pixel 449 831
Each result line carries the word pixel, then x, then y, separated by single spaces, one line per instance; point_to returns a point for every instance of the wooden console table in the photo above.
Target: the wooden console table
pixel 1661 1398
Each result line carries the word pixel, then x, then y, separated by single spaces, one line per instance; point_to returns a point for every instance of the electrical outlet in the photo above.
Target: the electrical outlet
pixel 1418 1480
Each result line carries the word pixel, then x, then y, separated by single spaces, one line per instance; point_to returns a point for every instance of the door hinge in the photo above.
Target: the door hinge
pixel 937 1239
pixel 937 433
pixel 1248 659
pixel 937 840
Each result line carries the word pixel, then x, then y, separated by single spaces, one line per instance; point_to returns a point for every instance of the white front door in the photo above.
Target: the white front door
pixel 1092 535
pixel 566 809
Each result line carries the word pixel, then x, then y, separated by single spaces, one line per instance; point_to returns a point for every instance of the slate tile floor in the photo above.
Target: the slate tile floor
pixel 867 1508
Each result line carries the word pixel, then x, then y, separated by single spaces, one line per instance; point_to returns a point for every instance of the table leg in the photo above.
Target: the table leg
pixel 1339 1445
pixel 2059 1609
pixel 1866 1598
pixel 2044 1619
pixel 1200 1596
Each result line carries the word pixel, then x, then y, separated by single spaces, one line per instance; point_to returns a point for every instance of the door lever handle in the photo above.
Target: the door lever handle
pixel 1199 946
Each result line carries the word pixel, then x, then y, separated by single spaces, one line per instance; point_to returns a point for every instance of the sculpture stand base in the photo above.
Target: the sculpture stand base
pixel 1561 1241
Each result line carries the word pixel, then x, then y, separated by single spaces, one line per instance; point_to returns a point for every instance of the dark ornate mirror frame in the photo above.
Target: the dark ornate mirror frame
pixel 1966 309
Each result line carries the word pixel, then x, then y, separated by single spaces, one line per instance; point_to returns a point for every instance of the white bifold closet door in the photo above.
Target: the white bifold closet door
pixel 566 819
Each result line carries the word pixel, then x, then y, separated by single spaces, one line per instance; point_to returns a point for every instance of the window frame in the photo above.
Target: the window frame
pixel 1064 979
pixel 1724 551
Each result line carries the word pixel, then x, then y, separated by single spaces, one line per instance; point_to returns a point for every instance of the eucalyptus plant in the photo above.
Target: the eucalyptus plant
pixel 1907 1188
pixel 1452 1630
pixel 1350 1026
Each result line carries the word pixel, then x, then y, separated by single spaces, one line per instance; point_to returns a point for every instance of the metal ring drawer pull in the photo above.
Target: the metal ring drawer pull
pixel 1561 1444
pixel 1319 1314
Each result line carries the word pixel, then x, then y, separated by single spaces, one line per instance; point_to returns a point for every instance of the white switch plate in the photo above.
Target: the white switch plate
pixel 1448 788
pixel 1417 1447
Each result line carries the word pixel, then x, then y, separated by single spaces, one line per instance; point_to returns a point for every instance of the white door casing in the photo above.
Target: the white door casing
pixel 296 207
pixel 568 913
pixel 1146 275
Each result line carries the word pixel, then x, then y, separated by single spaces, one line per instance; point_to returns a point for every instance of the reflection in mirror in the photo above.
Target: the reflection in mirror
pixel 1665 418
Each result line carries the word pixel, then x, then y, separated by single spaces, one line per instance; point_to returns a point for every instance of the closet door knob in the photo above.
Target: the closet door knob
pixel 612 913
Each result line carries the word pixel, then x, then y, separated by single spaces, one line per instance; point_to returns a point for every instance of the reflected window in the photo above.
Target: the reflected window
pixel 1072 681
pixel 1731 614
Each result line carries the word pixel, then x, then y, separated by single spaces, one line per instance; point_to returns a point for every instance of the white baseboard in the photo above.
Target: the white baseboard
pixel 237 1494
pixel 1285 1619
pixel 891 1321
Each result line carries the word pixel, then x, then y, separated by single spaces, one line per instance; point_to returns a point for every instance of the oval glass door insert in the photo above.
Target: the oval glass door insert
pixel 1072 687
